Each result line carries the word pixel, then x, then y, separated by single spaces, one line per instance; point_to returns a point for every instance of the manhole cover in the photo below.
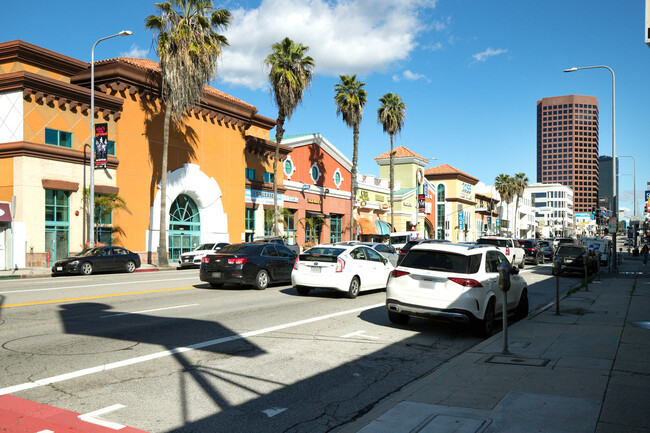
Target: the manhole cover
pixel 66 344
pixel 643 324
pixel 513 360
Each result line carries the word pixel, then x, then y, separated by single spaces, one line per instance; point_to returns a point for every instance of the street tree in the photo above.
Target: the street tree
pixel 520 184
pixel 391 115
pixel 504 185
pixel 188 47
pixel 290 74
pixel 350 98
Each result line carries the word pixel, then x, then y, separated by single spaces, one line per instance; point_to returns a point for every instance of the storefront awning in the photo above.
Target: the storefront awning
pixel 314 214
pixel 5 213
pixel 382 227
pixel 367 226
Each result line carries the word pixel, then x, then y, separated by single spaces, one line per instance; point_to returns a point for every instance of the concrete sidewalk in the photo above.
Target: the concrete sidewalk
pixel 585 370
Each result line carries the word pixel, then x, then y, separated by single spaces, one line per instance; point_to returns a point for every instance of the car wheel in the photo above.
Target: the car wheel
pixel 543 259
pixel 485 327
pixel 522 307
pixel 130 266
pixel 353 291
pixel 536 261
pixel 398 318
pixel 86 268
pixel 262 280
pixel 302 290
pixel 522 265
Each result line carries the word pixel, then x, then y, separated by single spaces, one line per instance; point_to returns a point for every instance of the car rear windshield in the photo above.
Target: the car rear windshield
pixel 442 261
pixel 495 242
pixel 236 248
pixel 527 244
pixel 204 247
pixel 321 254
pixel 569 251
pixel 545 243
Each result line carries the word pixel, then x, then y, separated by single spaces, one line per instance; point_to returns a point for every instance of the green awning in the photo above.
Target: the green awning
pixel 382 227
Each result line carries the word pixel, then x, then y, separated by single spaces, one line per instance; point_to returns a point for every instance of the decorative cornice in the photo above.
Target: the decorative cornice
pixel 44 90
pixel 21 51
pixel 48 151
pixel 461 200
pixel 263 186
pixel 452 176
pixel 260 146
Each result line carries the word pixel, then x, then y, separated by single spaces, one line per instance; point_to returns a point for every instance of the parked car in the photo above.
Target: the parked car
pixel 345 268
pixel 533 250
pixel 454 283
pixel 508 246
pixel 98 259
pixel 385 250
pixel 255 264
pixel 547 248
pixel 278 241
pixel 192 259
pixel 410 244
pixel 561 241
pixel 572 257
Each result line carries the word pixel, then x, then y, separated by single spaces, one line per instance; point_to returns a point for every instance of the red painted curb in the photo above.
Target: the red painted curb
pixel 147 270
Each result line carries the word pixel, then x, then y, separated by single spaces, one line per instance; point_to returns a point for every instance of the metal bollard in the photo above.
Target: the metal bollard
pixel 31 259
pixel 504 284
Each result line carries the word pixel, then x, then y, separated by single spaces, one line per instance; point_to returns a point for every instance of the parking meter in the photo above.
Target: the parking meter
pixel 504 276
pixel 504 284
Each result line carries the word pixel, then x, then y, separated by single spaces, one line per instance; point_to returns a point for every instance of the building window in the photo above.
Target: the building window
pixel 290 219
pixel 268 177
pixel 250 174
pixel 314 172
pixel 58 138
pixel 338 178
pixel 441 193
pixel 336 228
pixel 103 224
pixel 56 223
pixel 250 224
pixel 110 147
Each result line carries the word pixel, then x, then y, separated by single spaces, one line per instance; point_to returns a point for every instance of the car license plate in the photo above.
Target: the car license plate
pixel 315 270
pixel 216 275
pixel 59 268
pixel 427 284
pixel 569 260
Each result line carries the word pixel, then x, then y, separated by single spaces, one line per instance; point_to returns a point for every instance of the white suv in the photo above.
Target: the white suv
pixel 454 283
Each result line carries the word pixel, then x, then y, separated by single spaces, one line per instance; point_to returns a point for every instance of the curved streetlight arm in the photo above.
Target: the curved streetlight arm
pixel 91 192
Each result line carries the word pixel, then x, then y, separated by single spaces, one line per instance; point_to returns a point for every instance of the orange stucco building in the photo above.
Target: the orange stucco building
pixel 45 136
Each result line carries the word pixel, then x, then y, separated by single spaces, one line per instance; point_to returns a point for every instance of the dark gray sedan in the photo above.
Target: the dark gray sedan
pixel 98 259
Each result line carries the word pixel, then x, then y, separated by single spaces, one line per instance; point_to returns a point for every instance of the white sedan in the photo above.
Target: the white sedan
pixel 345 268
pixel 454 283
pixel 192 259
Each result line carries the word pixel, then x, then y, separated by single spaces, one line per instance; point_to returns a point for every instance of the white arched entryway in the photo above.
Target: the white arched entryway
pixel 204 191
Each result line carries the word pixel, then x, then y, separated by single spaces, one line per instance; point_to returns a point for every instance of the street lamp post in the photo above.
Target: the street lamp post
pixel 91 194
pixel 614 195
pixel 634 175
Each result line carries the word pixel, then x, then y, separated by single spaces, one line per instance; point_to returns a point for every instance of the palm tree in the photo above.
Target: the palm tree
pixel 350 97
pixel 312 223
pixel 188 47
pixel 520 185
pixel 105 205
pixel 504 185
pixel 391 115
pixel 283 216
pixel 291 72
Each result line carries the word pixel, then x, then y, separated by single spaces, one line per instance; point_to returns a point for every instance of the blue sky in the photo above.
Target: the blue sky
pixel 469 71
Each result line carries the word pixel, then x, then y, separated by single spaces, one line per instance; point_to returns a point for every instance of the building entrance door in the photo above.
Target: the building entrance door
pixel 184 226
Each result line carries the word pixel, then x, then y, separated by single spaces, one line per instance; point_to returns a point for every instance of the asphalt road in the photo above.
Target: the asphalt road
pixel 163 352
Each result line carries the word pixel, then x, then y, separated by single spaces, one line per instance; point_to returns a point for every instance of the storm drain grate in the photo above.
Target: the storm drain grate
pixel 513 360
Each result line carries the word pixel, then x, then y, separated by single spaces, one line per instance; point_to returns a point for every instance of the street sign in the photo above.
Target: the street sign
pixel 461 220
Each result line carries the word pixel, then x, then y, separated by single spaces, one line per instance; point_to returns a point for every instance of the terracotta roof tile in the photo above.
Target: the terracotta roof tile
pixel 150 65
pixel 445 169
pixel 399 152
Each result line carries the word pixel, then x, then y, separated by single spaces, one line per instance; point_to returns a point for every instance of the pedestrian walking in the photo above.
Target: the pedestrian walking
pixel 645 252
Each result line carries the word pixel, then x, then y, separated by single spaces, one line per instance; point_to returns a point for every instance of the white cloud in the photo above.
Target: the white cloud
pixel 411 76
pixel 435 47
pixel 343 36
pixel 135 51
pixel 483 56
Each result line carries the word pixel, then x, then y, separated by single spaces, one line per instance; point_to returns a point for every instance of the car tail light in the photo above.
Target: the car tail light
pixel 397 273
pixel 340 264
pixel 467 282
pixel 295 264
pixel 237 261
pixel 507 251
pixel 205 259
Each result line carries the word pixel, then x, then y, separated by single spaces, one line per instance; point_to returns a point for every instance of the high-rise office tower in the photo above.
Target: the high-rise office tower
pixel 567 146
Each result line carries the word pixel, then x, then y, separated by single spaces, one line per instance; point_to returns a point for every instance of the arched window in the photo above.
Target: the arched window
pixel 441 193
pixel 184 226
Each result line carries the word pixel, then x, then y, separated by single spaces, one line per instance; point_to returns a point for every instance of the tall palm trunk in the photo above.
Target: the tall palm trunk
pixel 392 182
pixel 516 215
pixel 163 260
pixel 279 132
pixel 353 188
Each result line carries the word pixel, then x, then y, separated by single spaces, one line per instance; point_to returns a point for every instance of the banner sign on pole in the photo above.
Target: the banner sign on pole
pixel 421 203
pixel 101 145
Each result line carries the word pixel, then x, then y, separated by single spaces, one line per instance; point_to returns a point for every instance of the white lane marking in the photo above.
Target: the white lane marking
pixel 91 417
pixel 274 411
pixel 45 431
pixel 148 311
pixel 164 353
pixel 359 334
pixel 97 285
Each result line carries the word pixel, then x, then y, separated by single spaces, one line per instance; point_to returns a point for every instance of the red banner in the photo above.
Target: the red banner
pixel 101 145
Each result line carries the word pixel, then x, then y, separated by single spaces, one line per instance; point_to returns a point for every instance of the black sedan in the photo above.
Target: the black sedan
pixel 98 259
pixel 256 264
pixel 572 258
